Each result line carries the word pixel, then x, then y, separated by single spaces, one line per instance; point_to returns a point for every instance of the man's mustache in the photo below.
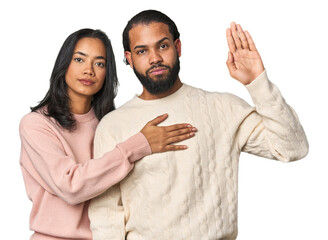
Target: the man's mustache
pixel 157 66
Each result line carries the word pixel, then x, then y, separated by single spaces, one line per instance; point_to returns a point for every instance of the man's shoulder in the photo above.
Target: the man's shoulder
pixel 224 96
pixel 225 101
pixel 116 116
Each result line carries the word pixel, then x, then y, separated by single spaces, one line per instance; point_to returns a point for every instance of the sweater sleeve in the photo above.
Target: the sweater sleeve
pixel 272 129
pixel 106 212
pixel 44 157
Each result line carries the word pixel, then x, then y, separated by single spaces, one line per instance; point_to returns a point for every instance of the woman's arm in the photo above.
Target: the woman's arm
pixel 44 157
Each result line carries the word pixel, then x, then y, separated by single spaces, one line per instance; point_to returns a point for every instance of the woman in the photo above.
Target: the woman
pixel 57 139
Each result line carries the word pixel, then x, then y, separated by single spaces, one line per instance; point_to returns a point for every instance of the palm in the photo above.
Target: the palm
pixel 244 61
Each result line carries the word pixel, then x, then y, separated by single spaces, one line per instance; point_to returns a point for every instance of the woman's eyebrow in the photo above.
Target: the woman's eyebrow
pixel 101 57
pixel 84 54
pixel 81 53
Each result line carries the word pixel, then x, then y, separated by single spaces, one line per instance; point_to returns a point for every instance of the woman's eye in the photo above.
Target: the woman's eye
pixel 78 60
pixel 100 64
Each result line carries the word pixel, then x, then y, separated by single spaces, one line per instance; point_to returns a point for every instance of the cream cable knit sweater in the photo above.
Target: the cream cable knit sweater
pixel 192 194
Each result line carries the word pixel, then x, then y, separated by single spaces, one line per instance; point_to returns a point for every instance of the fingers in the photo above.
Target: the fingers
pixel 251 43
pixel 235 35
pixel 158 120
pixel 174 148
pixel 180 138
pixel 239 39
pixel 176 127
pixel 231 42
pixel 175 139
pixel 177 133
pixel 242 36
pixel 161 138
pixel 181 132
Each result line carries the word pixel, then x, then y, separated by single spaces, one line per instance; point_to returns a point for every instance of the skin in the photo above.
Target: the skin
pixel 161 138
pixel 153 44
pixel 244 62
pixel 85 77
pixel 86 73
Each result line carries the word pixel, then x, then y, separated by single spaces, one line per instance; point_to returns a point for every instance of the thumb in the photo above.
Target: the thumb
pixel 158 119
pixel 230 62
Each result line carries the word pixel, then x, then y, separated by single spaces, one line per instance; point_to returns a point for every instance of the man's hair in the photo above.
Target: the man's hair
pixel 57 100
pixel 146 17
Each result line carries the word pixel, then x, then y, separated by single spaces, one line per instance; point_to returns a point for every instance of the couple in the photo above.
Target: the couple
pixel 168 194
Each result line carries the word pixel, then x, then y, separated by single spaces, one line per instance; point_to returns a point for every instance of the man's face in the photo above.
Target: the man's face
pixel 154 56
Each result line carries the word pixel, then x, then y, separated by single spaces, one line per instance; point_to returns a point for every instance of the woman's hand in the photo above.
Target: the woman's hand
pixel 161 138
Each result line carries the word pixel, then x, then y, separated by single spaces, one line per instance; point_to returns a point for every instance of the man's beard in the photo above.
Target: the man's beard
pixel 162 83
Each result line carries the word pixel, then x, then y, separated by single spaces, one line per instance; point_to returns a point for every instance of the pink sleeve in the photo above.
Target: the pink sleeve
pixel 44 157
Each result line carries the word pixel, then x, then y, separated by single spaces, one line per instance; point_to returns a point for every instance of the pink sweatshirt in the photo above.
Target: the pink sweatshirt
pixel 61 176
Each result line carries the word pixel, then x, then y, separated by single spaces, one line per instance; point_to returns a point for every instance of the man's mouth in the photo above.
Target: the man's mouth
pixel 158 71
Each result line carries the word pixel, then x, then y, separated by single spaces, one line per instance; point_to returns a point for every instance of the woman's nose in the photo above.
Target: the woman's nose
pixel 89 70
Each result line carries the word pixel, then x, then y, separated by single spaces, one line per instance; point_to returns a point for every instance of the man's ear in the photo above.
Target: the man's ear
pixel 177 44
pixel 128 58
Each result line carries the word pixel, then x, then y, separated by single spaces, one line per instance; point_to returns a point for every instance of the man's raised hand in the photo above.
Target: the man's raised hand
pixel 244 62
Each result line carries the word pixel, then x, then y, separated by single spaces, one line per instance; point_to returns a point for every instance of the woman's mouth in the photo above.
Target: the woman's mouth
pixel 86 82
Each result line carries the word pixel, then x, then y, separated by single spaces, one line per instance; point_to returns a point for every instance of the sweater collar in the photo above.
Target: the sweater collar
pixel 85 117
pixel 180 93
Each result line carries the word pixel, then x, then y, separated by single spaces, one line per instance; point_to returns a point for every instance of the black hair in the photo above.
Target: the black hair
pixel 56 101
pixel 147 17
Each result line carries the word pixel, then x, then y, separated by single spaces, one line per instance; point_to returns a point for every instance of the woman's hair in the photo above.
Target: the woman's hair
pixel 56 102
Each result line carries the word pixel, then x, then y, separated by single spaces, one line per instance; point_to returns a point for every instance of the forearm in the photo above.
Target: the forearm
pixel 96 176
pixel 281 127
pixel 45 158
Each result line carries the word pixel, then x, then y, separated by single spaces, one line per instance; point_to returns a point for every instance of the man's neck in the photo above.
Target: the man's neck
pixel 148 96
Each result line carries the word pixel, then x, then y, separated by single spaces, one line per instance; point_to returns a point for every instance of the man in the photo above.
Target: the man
pixel 190 194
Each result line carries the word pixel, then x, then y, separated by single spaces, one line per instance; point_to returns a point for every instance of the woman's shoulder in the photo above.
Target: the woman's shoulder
pixel 36 119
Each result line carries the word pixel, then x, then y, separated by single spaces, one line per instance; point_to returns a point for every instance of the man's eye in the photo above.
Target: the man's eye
pixel 78 60
pixel 163 46
pixel 141 51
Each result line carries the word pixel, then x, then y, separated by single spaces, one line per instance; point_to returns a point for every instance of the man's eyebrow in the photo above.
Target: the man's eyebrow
pixel 84 54
pixel 158 42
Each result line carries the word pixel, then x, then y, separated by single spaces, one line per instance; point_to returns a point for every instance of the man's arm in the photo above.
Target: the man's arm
pixel 106 212
pixel 273 130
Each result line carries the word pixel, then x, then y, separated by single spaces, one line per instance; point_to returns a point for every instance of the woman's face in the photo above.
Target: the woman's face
pixel 86 73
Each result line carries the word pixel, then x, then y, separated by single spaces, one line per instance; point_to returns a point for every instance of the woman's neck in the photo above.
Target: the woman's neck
pixel 80 106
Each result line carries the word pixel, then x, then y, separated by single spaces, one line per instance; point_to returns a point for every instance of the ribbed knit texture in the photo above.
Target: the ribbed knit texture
pixel 60 175
pixel 192 194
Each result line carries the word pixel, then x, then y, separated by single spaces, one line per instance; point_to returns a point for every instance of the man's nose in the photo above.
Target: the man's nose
pixel 155 57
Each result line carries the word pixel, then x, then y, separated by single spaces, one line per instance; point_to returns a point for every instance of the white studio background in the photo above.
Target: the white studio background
pixel 276 200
